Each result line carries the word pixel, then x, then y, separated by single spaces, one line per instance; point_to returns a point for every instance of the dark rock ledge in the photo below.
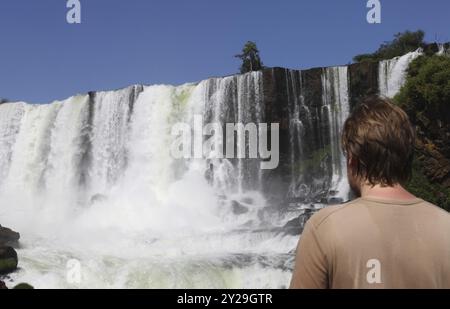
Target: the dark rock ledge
pixel 8 255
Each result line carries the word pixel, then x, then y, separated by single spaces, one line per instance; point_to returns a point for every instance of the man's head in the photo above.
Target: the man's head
pixel 378 140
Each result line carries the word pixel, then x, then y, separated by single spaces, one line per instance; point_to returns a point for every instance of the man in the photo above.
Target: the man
pixel 386 238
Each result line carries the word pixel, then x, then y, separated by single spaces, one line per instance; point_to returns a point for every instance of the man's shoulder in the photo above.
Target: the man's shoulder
pixel 343 214
pixel 436 209
pixel 333 212
pixel 435 214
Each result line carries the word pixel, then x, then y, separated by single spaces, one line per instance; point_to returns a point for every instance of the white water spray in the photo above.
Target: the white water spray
pixel 392 73
pixel 91 178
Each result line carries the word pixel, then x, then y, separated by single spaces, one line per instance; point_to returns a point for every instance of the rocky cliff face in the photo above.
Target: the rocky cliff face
pixel 311 106
pixel 286 91
pixel 318 101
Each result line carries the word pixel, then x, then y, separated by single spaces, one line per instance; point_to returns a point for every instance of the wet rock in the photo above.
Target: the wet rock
pixel 295 226
pixel 333 192
pixel 8 260
pixel 331 200
pixel 98 198
pixel 247 200
pixel 8 237
pixel 323 200
pixel 3 286
pixel 23 286
pixel 335 200
pixel 238 208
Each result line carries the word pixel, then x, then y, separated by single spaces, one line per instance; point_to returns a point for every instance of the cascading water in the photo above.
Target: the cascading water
pixel 335 97
pixel 296 127
pixel 91 178
pixel 443 49
pixel 235 99
pixel 328 120
pixel 9 126
pixel 392 73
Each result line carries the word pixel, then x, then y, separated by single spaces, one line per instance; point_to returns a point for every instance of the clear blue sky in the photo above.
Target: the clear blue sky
pixel 125 42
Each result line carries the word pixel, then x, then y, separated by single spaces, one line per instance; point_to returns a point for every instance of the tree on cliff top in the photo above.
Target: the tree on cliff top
pixel 251 60
pixel 403 43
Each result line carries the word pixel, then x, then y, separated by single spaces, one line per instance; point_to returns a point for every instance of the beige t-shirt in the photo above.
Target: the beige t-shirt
pixel 372 243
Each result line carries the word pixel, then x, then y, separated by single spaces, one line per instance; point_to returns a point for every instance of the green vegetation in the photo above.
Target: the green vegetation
pixel 422 187
pixel 251 60
pixel 403 43
pixel 426 94
pixel 180 99
pixel 314 161
pixel 23 286
pixel 426 98
pixel 7 265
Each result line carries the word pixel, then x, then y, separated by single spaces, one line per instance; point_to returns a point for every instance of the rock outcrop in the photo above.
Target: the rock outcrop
pixel 8 237
pixel 8 260
pixel 238 208
pixel 8 256
pixel 23 286
pixel 20 286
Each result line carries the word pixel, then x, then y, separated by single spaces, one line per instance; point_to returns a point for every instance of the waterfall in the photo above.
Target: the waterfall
pixel 109 130
pixel 335 98
pixel 88 146
pixel 64 169
pixel 249 110
pixel 442 50
pixel 93 175
pixel 10 118
pixel 296 128
pixel 235 99
pixel 392 73
pixel 317 164
pixel 28 156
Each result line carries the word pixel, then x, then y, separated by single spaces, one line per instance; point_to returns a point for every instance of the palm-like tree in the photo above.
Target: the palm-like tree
pixel 251 60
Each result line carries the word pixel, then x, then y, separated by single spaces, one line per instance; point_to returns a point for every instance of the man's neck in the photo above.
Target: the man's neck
pixel 396 192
